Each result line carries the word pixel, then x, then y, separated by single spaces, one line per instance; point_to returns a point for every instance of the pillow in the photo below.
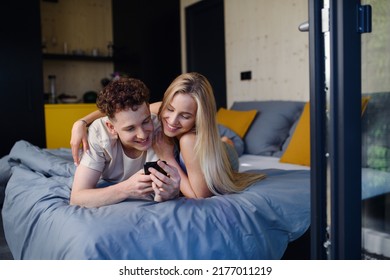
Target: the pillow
pixel 298 151
pixel 288 140
pixel 238 121
pixel 237 140
pixel 271 126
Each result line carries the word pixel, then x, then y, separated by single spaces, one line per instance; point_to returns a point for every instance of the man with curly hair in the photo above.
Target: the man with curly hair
pixel 119 145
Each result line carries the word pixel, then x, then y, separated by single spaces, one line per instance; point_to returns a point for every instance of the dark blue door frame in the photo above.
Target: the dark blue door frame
pixel 317 131
pixel 344 130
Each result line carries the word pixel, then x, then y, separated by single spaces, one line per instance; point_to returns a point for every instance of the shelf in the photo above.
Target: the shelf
pixel 52 56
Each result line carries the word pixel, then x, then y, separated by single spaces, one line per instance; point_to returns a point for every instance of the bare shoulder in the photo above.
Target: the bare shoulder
pixel 188 139
pixel 187 144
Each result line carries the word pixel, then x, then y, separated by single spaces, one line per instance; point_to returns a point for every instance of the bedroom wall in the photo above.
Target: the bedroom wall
pixel 262 37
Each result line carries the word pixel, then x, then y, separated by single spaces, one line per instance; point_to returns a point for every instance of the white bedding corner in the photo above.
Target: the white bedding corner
pixel 248 162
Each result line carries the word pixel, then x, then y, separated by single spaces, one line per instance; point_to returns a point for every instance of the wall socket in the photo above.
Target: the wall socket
pixel 247 75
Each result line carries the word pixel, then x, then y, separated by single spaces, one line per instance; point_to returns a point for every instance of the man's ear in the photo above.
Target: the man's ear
pixel 110 127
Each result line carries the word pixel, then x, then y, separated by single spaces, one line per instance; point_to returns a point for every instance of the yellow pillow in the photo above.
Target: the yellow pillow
pixel 298 150
pixel 238 121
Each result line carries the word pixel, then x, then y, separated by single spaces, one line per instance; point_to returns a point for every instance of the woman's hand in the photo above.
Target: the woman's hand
pixel 165 187
pixel 79 136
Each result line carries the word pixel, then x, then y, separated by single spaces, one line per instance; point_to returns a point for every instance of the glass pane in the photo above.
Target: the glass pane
pixel 376 134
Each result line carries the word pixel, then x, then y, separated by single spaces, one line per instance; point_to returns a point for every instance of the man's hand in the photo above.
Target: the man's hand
pixel 139 185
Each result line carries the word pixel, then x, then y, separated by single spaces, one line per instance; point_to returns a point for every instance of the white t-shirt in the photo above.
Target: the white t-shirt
pixel 106 154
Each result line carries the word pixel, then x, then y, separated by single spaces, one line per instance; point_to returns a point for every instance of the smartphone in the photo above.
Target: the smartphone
pixel 155 166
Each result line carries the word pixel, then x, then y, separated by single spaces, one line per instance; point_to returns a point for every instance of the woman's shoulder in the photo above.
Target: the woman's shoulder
pixel 187 143
pixel 189 137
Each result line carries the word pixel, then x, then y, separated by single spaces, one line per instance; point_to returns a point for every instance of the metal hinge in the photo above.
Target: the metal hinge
pixel 364 19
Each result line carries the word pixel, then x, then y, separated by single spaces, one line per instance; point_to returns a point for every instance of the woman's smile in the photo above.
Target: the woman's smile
pixel 172 128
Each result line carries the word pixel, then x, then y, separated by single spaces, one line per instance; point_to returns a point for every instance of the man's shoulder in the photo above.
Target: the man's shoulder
pixel 98 132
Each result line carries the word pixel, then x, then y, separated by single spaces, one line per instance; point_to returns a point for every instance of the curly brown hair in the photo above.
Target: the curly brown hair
pixel 122 94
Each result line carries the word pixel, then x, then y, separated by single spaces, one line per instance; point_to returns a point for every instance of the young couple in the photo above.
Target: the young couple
pixel 181 130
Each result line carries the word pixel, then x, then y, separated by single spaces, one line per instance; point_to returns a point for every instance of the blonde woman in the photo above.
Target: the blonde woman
pixel 188 116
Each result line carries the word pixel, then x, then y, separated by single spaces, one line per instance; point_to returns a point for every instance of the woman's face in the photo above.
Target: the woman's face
pixel 179 116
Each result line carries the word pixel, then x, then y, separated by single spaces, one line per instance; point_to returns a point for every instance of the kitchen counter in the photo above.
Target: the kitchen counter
pixel 59 119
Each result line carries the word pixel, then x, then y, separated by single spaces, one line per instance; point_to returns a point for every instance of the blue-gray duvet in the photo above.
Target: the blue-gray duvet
pixel 39 223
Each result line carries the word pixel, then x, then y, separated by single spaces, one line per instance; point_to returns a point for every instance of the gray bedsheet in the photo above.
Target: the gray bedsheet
pixel 39 223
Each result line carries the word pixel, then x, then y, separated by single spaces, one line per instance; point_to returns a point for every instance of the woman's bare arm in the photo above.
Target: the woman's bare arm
pixel 79 135
pixel 193 184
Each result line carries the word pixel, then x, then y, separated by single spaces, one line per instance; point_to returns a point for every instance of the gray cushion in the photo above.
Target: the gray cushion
pixel 270 129
pixel 288 140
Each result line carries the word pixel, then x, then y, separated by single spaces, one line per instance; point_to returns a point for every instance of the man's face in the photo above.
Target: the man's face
pixel 134 129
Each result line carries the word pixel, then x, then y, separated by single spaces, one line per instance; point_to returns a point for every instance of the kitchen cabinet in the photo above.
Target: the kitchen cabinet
pixel 59 119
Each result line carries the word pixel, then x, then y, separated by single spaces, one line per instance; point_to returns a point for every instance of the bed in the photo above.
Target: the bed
pixel 260 223
pixel 39 223
pixel 263 222
pixel 270 220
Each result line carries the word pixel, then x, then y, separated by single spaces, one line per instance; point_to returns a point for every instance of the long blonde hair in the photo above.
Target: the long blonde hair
pixel 209 148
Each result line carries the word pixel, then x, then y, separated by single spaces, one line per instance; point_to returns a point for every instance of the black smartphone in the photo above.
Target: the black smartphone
pixel 155 166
